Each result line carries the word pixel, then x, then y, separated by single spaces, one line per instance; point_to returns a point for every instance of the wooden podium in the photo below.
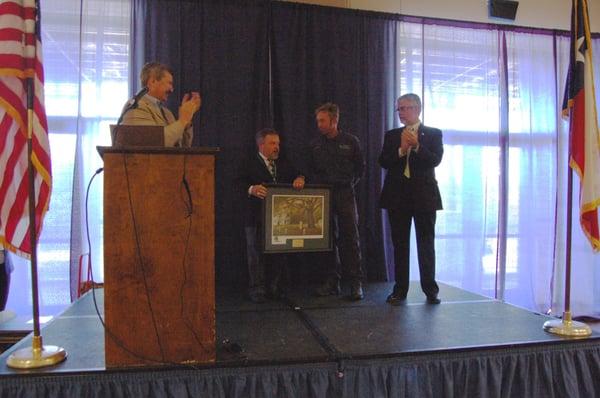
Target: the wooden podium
pixel 159 298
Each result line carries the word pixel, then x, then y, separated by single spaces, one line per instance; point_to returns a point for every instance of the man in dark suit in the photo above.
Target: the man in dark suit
pixel 5 270
pixel 410 192
pixel 264 271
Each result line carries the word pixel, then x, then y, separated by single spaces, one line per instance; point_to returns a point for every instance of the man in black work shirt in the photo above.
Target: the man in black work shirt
pixel 336 158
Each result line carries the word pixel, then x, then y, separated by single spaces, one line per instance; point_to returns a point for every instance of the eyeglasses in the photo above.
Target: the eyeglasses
pixel 405 108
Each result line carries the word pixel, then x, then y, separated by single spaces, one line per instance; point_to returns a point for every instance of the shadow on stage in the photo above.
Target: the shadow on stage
pixel 305 346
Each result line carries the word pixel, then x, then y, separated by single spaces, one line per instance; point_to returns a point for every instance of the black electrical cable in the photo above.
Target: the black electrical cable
pixel 189 204
pixel 106 330
pixel 140 259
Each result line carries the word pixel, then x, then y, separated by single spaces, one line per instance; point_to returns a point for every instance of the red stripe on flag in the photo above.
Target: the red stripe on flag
pixel 41 205
pixel 42 155
pixel 577 129
pixel 12 8
pixel 5 124
pixel 589 222
pixel 12 61
pixel 16 35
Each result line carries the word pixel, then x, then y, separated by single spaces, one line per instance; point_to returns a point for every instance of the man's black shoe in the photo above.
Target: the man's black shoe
pixel 276 293
pixel 329 288
pixel 433 300
pixel 396 299
pixel 356 291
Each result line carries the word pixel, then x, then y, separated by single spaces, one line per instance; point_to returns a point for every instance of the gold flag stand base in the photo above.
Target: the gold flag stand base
pixel 567 327
pixel 36 356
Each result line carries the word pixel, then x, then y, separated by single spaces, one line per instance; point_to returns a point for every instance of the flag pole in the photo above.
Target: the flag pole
pixel 567 326
pixel 37 355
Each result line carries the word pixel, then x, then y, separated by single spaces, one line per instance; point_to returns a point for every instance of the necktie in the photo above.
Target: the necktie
pixel 273 170
pixel 162 111
pixel 407 167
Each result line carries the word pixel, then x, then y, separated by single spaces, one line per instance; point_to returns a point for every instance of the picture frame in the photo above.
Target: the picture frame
pixel 297 220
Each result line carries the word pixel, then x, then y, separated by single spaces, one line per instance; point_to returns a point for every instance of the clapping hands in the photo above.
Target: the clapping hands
pixel 409 139
pixel 190 104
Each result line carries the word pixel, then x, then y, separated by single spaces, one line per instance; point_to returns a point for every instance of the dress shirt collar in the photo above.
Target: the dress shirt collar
pixel 413 127
pixel 154 100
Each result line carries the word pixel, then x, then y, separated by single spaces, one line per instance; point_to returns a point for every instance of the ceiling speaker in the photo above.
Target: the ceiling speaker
pixel 506 9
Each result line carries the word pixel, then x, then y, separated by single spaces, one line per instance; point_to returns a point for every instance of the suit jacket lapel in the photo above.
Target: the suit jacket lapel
pixel 156 113
pixel 265 170
pixel 168 115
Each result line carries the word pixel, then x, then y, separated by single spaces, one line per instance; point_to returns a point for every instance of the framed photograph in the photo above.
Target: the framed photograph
pixel 297 220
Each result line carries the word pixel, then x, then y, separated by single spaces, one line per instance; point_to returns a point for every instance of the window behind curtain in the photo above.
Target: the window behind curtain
pixel 458 73
pixel 455 71
pixel 532 163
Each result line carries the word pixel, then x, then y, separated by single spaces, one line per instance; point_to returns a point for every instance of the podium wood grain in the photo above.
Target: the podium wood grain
pixel 159 258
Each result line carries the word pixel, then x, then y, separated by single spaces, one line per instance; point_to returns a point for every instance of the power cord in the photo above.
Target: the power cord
pixel 189 204
pixel 106 329
pixel 140 260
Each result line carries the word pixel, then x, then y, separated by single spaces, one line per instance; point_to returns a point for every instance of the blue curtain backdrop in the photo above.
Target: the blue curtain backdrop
pixel 220 49
pixel 243 57
pixel 323 54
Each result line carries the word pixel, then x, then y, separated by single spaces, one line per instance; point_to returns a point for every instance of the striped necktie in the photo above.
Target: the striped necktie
pixel 273 170
pixel 162 111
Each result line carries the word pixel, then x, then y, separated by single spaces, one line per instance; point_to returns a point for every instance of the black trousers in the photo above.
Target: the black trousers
pixel 4 286
pixel 400 223
pixel 346 256
pixel 266 272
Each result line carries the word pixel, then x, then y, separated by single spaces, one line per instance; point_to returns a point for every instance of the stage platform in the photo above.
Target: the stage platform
pixel 305 346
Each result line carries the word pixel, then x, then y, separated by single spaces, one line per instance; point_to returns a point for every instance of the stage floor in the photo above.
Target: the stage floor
pixel 305 329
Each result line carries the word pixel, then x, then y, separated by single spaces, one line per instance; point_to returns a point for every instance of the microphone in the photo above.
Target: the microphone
pixel 132 103
pixel 139 95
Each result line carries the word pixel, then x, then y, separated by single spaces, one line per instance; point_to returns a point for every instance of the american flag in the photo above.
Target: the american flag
pixel 21 60
pixel 584 137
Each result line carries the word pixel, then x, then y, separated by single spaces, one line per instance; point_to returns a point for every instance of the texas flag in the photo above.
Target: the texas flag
pixel 584 137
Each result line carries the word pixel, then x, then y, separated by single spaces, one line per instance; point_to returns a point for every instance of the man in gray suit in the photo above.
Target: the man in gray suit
pixel 158 80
